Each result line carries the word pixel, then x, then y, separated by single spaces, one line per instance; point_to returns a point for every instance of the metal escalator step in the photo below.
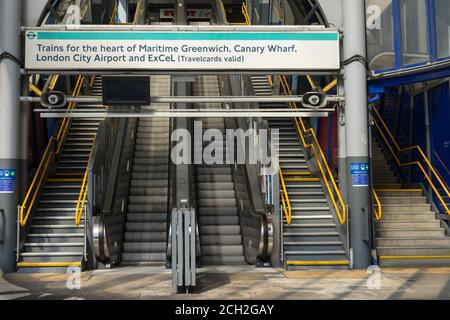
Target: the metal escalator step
pixel 148 183
pixel 214 178
pixel 218 220
pixel 223 260
pixel 207 211
pixel 146 217
pixel 148 191
pixel 147 207
pixel 222 250
pixel 221 240
pixel 144 236
pixel 215 186
pixel 206 194
pixel 153 168
pixel 149 175
pixel 151 161
pixel 222 230
pixel 146 226
pixel 144 247
pixel 148 199
pixel 213 170
pixel 217 202
pixel 143 257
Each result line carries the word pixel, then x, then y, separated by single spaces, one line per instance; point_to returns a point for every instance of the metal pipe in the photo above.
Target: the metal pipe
pixel 165 114
pixel 181 27
pixel 198 99
pixel 90 72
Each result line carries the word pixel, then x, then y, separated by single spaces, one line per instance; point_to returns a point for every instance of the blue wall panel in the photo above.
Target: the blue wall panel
pixel 439 99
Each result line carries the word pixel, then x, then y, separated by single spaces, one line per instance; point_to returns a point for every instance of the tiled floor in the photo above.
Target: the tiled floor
pixel 233 283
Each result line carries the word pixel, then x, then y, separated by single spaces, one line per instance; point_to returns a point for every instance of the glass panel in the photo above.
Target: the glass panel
pixel 414 31
pixel 443 27
pixel 380 31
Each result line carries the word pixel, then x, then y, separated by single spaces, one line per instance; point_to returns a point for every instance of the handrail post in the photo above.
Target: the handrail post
pixel 18 234
pixel 85 233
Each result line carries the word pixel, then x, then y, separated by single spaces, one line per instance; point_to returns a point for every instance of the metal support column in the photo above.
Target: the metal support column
pixel 357 135
pixel 13 131
pixel 426 110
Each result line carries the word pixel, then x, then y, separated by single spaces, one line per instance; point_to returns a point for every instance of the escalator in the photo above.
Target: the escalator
pixel 312 238
pixel 53 240
pixel 218 215
pixel 145 238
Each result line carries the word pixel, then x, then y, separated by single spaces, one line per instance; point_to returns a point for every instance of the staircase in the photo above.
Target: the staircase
pixel 408 235
pixel 54 242
pixel 312 239
pixel 218 217
pixel 146 225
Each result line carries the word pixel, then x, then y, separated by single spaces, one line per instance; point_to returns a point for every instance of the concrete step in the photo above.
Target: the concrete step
pixel 406 262
pixel 411 224
pixel 410 233
pixel 403 200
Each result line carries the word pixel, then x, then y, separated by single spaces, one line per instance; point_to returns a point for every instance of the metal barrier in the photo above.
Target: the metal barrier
pixel 183 242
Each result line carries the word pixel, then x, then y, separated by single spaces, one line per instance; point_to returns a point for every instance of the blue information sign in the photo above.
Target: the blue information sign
pixel 360 174
pixel 7 178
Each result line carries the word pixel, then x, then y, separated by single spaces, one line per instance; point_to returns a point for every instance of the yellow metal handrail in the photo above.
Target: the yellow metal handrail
pixel 82 197
pixel 64 128
pixel 36 183
pixel 285 198
pixel 379 211
pixel 112 20
pixel 407 164
pixel 84 185
pixel 33 189
pixel 326 174
pixel 244 13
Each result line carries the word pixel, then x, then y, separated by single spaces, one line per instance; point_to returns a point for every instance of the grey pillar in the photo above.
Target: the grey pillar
pixel 426 110
pixel 357 134
pixel 12 132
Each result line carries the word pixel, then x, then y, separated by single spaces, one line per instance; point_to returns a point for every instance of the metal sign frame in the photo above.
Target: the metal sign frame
pixel 319 30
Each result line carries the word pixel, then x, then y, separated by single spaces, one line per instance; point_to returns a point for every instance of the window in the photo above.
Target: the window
pixel 443 28
pixel 380 34
pixel 413 16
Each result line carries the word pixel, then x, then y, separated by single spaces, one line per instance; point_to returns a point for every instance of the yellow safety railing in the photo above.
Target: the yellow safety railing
pixel 55 142
pixel 411 163
pixel 285 198
pixel 84 185
pixel 83 194
pixel 319 155
pixel 379 210
pixel 244 13
pixel 65 124
pixel 340 212
pixel 113 15
pixel 36 183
